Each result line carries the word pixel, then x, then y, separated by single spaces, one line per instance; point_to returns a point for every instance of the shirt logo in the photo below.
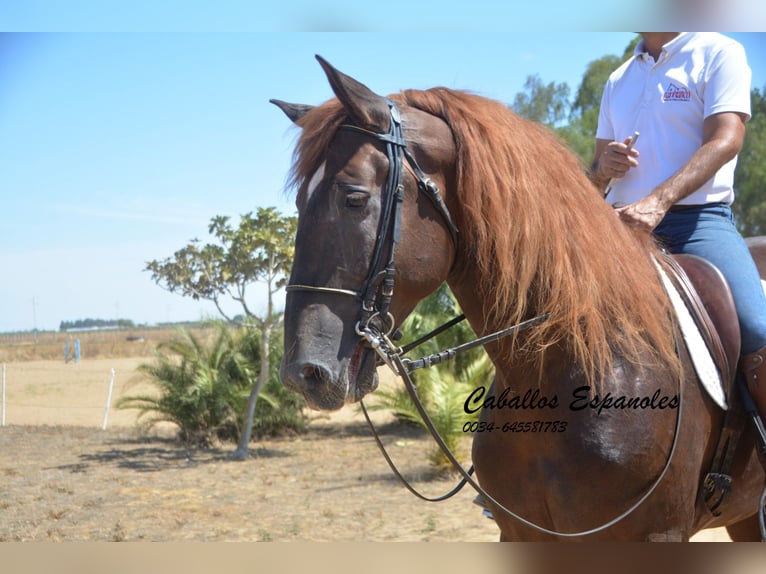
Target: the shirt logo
pixel 676 94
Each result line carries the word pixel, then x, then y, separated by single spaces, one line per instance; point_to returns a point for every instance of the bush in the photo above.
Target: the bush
pixel 204 387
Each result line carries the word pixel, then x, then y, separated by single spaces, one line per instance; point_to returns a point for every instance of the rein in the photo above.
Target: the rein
pixel 426 362
pixel 376 324
pixel 400 368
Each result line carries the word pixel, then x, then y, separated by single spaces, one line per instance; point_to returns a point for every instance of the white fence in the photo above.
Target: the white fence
pixel 52 393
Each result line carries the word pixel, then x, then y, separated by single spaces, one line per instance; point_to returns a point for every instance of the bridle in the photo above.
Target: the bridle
pixel 376 323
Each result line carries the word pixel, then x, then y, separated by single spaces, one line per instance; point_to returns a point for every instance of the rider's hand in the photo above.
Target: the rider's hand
pixel 617 159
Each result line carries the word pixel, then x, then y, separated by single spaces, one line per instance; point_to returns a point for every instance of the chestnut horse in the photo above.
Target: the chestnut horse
pixel 596 427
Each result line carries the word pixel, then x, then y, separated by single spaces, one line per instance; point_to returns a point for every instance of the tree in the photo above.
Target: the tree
pixel 750 176
pixel 203 384
pixel 283 411
pixel 580 132
pixel 543 103
pixel 260 249
pixel 575 122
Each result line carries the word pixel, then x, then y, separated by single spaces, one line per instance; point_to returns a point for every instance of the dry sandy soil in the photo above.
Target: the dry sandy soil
pixel 63 478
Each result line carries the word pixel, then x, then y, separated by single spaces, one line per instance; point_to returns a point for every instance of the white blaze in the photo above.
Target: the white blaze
pixel 316 179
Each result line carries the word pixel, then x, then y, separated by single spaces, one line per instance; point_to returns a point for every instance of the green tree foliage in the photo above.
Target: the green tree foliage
pixel 580 132
pixel 750 176
pixel 543 103
pixel 573 121
pixel 258 250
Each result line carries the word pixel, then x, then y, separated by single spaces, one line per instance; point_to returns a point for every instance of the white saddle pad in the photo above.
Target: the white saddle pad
pixel 700 355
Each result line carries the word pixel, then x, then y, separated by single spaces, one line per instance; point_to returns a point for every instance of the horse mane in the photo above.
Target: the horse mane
pixel 540 235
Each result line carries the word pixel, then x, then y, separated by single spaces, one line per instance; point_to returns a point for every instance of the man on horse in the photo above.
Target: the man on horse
pixel 688 96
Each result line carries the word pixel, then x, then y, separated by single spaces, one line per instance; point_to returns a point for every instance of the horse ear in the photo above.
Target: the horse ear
pixel 293 111
pixel 367 109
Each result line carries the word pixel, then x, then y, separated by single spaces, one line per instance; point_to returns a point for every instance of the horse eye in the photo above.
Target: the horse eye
pixel 357 199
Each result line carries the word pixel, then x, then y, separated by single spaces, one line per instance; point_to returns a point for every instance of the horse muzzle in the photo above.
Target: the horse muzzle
pixel 329 385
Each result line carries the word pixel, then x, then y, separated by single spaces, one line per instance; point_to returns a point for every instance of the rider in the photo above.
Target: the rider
pixel 688 96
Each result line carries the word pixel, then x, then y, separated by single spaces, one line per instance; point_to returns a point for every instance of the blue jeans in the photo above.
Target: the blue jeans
pixel 709 232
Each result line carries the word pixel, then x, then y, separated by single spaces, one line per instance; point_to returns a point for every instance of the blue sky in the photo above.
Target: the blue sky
pixel 326 16
pixel 393 15
pixel 118 148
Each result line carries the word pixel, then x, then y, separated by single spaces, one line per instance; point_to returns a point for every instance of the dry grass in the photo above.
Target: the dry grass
pixel 75 484
pixel 62 478
pixel 55 393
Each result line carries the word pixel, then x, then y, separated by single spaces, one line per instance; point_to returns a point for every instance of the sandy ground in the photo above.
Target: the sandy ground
pixel 63 478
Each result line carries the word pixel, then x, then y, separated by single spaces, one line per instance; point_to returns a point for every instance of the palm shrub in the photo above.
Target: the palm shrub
pixel 443 395
pixel 202 386
pixel 443 388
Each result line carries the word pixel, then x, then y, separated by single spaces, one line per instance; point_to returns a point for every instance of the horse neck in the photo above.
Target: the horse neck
pixel 501 354
pixel 552 370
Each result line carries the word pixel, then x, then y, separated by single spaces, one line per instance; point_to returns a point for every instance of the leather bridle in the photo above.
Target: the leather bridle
pixel 376 323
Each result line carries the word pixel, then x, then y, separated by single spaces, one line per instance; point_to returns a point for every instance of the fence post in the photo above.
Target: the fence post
pixel 108 400
pixel 2 418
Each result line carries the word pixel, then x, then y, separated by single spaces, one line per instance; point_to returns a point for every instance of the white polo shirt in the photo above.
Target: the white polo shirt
pixel 698 74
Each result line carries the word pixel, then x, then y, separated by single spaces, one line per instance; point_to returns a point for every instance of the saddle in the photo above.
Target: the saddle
pixel 708 297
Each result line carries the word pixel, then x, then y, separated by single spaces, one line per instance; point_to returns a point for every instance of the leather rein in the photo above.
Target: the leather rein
pixel 376 324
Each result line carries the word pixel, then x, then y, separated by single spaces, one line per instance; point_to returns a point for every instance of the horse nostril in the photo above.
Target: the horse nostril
pixel 315 374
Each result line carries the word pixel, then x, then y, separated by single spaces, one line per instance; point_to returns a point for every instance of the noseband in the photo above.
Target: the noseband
pixel 376 323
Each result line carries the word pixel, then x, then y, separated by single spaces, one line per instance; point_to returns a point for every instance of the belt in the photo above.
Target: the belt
pixel 683 207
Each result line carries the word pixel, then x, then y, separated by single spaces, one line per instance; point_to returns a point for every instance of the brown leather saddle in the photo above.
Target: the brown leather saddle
pixel 708 297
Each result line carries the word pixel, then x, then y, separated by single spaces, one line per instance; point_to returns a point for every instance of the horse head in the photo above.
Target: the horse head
pixel 361 168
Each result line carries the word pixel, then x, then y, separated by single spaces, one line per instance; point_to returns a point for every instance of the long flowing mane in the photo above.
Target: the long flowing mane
pixel 538 231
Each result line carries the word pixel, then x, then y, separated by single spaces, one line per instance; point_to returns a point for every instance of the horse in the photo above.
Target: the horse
pixel 398 194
